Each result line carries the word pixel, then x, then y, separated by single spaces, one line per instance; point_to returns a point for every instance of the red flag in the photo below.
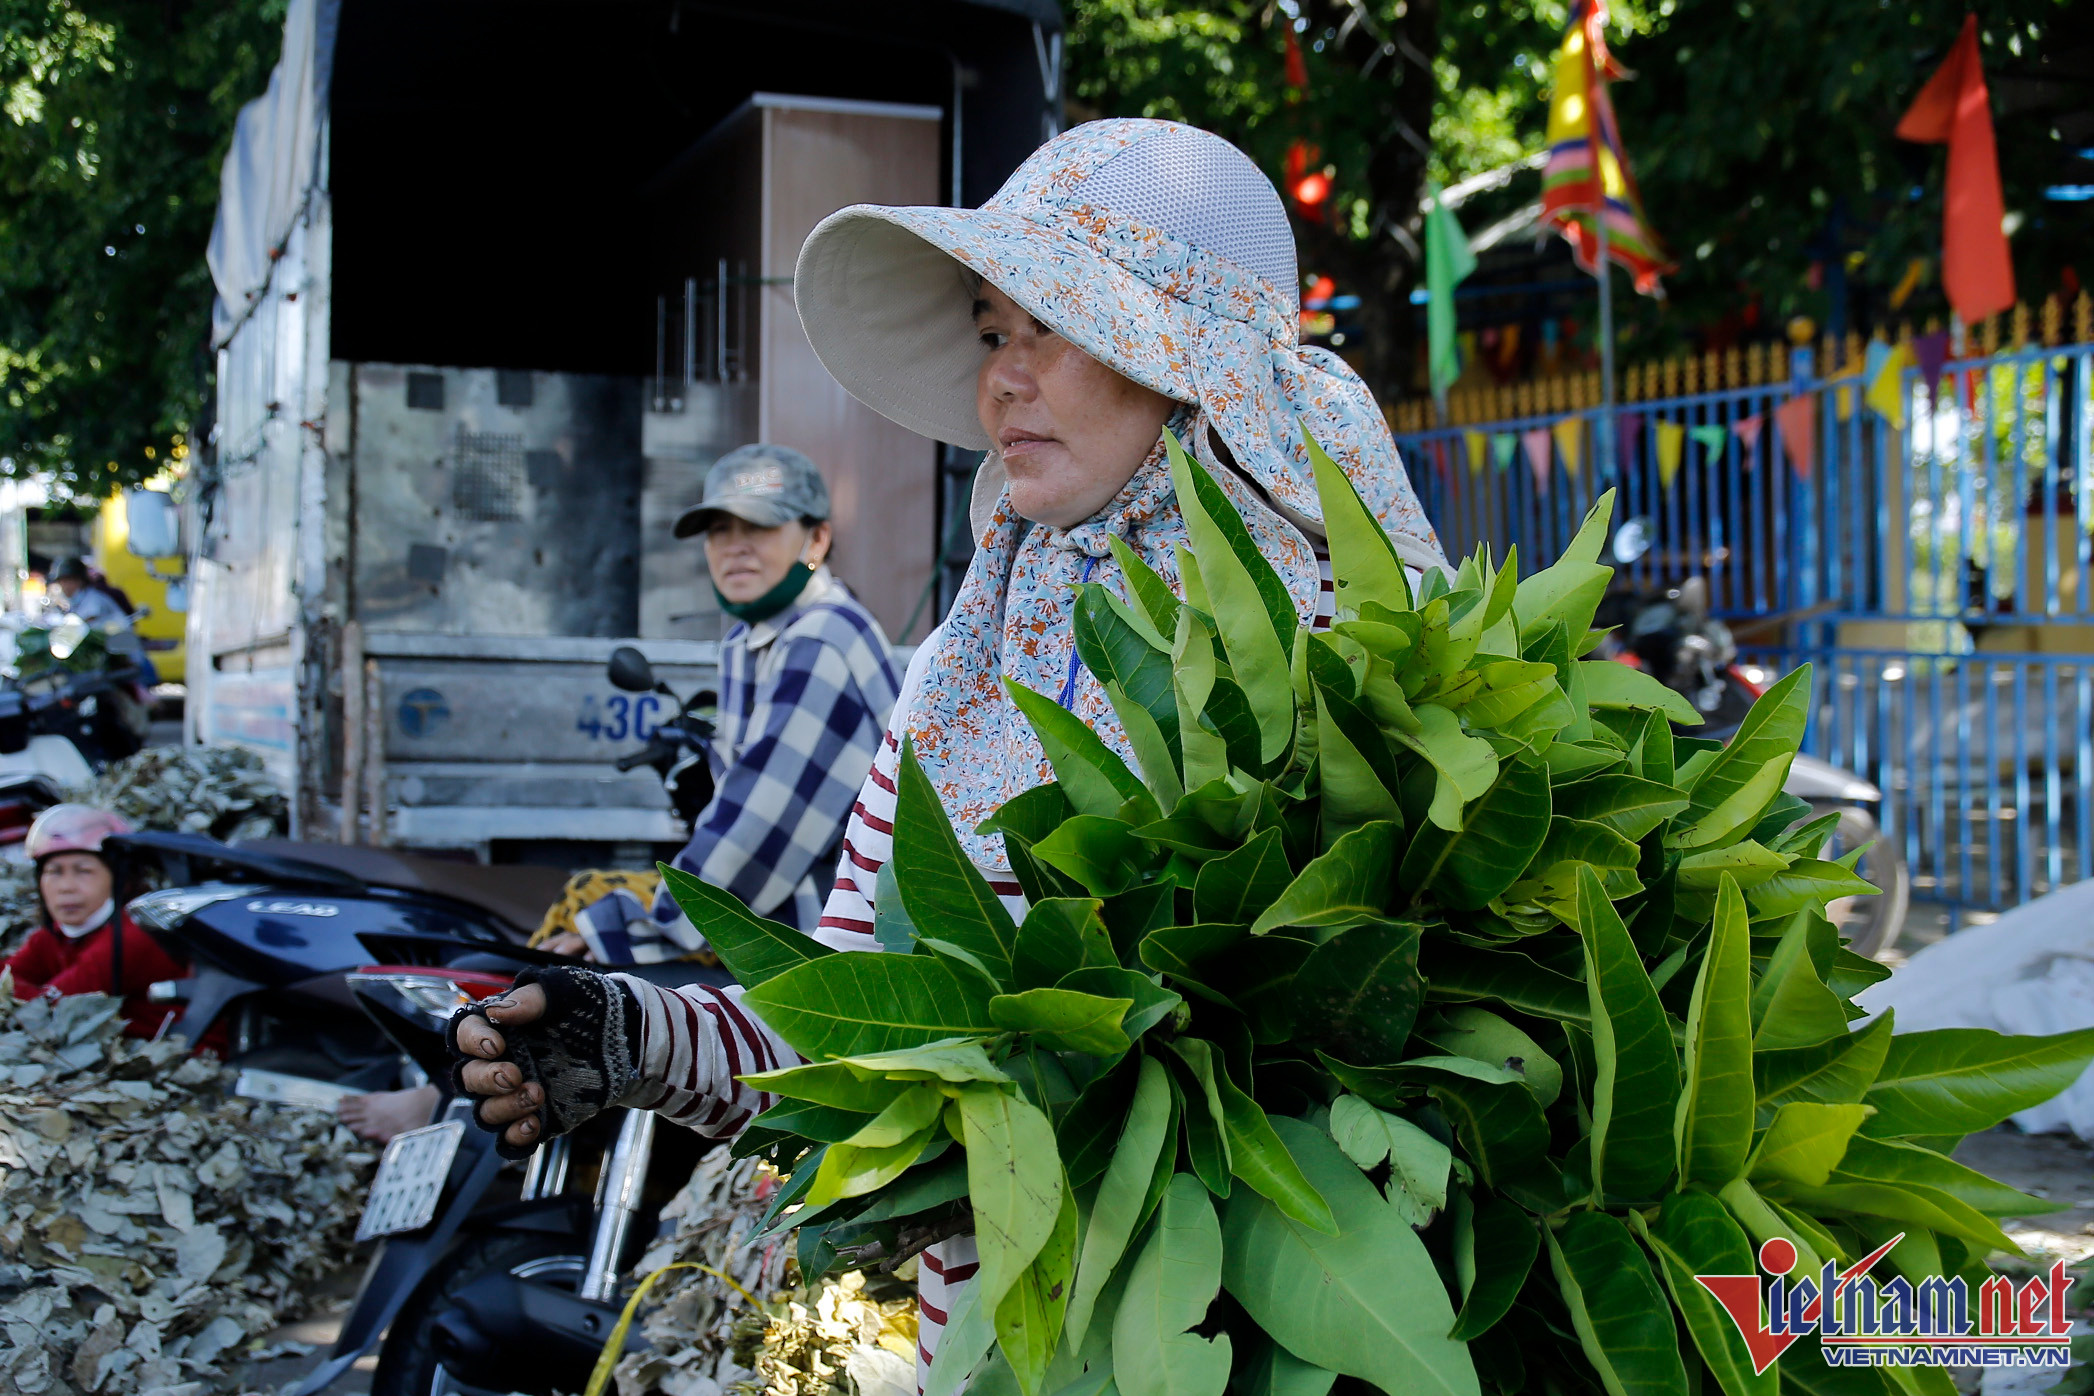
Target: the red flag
pixel 1954 108
pixel 1537 444
pixel 1798 419
pixel 1297 69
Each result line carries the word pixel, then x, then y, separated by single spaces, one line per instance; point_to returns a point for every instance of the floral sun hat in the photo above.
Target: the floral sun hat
pixel 1157 248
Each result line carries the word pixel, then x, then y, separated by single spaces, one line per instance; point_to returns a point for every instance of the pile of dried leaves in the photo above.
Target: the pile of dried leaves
pixel 762 1334
pixel 151 1227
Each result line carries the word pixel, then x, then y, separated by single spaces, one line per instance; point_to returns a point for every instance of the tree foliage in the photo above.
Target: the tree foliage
pixel 114 118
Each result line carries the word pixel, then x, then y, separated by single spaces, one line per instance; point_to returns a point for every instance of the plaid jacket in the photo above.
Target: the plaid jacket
pixel 804 701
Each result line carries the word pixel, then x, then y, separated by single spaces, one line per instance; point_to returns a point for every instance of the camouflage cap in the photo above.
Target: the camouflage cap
pixel 764 484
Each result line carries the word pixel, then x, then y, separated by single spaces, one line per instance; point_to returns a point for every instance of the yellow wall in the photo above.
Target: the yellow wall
pixel 112 531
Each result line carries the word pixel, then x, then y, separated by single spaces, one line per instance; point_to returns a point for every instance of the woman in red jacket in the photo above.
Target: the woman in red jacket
pixel 87 944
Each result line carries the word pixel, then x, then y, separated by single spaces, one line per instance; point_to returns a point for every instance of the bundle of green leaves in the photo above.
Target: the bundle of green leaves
pixel 1423 1011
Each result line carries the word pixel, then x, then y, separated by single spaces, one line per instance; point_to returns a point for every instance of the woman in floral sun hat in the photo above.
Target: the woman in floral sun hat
pixel 1130 276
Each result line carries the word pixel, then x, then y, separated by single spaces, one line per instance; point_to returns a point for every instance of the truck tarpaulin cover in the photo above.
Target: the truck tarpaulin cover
pixel 273 163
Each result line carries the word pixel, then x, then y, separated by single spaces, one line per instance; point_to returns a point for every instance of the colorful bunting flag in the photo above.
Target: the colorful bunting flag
pixel 1502 447
pixel 1885 370
pixel 1537 444
pixel 1672 440
pixel 1954 109
pixel 1570 443
pixel 1628 436
pixel 1712 438
pixel 1798 420
pixel 1748 430
pixel 1474 441
pixel 1447 262
pixel 1931 353
pixel 1586 166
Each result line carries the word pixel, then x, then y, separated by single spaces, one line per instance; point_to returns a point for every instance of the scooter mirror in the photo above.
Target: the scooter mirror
pixel 1632 540
pixel 630 670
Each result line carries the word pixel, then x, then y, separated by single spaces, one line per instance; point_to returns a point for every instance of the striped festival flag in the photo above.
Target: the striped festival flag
pixel 1585 151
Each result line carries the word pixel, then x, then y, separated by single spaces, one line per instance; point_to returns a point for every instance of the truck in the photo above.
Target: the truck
pixel 495 285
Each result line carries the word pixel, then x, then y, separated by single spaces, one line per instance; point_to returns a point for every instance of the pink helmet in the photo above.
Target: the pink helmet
pixel 72 829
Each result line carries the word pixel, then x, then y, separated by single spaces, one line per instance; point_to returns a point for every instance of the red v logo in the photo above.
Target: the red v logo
pixel 1740 1297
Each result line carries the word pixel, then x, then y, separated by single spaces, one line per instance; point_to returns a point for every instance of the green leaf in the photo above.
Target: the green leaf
pixel 1149 590
pixel 1694 1235
pixel 1612 685
pixel 1095 780
pixel 957 1060
pixel 823 1123
pixel 1023 820
pixel 1355 773
pixel 1014 1180
pixel 1467 765
pixel 1362 558
pixel 1765 741
pixel 1837 1071
pixel 1630 805
pixel 1419 1164
pixel 1461 974
pixel 1173 1281
pixel 1152 1002
pixel 1500 834
pixel 753 949
pixel 1962 1080
pixel 1905 1164
pixel 1251 607
pixel 830 1084
pixel 1237 886
pixel 1029 1320
pixel 1122 1193
pixel 842 1005
pixel 1060 935
pixel 1571 847
pixel 1500 1244
pixel 1180 950
pixel 1065 1020
pixel 1713 1128
pixel 1637 1090
pixel 1278 1372
pixel 892 927
pixel 1805 1143
pixel 1089 1129
pixel 1256 1154
pixel 1792 1007
pixel 947 897
pixel 1115 652
pixel 1568 592
pixel 1500 1126
pixel 1483 1035
pixel 1099 852
pixel 1345 886
pixel 1808 882
pixel 1366 1302
pixel 1357 994
pixel 852 1170
pixel 1619 1313
pixel 1153 751
pixel 1747 864
pixel 1206 1130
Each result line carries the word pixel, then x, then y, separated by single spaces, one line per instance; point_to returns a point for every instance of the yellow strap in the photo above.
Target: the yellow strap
pixel 614 1346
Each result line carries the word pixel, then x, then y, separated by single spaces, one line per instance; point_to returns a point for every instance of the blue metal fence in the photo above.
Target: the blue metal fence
pixel 1940 577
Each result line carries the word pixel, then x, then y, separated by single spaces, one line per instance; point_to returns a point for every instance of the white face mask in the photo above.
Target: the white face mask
pixel 94 922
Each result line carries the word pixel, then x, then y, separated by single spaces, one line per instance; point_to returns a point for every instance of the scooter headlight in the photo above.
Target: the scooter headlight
pixel 435 997
pixel 165 910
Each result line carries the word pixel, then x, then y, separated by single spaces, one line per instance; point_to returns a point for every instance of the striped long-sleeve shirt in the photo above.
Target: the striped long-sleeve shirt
pixel 804 698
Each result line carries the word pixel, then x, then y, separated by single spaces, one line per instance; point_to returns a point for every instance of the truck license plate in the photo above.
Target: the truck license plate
pixel 410 1179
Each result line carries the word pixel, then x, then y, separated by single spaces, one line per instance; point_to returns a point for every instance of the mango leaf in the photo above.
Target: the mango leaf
pixel 1765 742
pixel 842 1005
pixel 1237 886
pixel 1805 1143
pixel 1365 1302
pixel 1792 1007
pixel 1483 1035
pixel 1637 1090
pixel 1206 1130
pixel 956 1059
pixel 1612 685
pixel 1461 974
pixel 1155 755
pixel 882 1151
pixel 1179 951
pixel 1229 717
pixel 1064 1020
pixel 1095 780
pixel 1746 864
pixel 1572 847
pixel 1467 765
pixel 1090 1128
pixel 830 1084
pixel 1125 1187
pixel 1357 994
pixel 1807 882
pixel 1500 1244
pixel 1962 1080
pixel 1174 1280
pixel 1149 590
pixel 1619 1313
pixel 1204 753
pixel 824 1123
pixel 1419 1165
pixel 1713 1129
pixel 753 949
pixel 1152 1002
pixel 1495 1116
pixel 1630 805
pixel 947 897
pixel 1362 558
pixel 1345 886
pixel 1256 1154
pixel 1695 1236
pixel 892 927
pixel 1910 1203
pixel 1837 1071
pixel 1014 1181
pixel 1102 854
pixel 1653 751
pixel 1569 591
pixel 1024 820
pixel 1905 1164
pixel 1029 1320
pixel 1278 1372
pixel 1117 653
pixel 1355 773
pixel 1060 935
pixel 1250 604
pixel 1500 834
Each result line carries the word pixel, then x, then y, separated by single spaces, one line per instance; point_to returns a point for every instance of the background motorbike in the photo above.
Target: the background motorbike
pixel 680 749
pixel 77 685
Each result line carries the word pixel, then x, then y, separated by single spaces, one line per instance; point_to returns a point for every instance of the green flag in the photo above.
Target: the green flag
pixel 1447 261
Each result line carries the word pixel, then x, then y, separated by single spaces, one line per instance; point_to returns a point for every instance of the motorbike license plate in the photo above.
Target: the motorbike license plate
pixel 410 1179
